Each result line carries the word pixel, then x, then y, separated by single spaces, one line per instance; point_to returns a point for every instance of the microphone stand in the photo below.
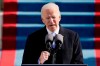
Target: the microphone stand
pixel 54 53
pixel 53 58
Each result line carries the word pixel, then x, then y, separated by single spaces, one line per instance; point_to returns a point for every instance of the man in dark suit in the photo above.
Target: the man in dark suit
pixel 35 50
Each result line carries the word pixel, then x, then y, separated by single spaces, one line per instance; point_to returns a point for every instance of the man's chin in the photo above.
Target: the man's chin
pixel 52 29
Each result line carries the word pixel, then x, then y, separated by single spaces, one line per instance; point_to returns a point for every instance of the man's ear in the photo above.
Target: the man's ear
pixel 42 19
pixel 59 18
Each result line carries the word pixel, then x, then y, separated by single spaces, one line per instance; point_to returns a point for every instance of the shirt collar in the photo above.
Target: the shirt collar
pixel 56 31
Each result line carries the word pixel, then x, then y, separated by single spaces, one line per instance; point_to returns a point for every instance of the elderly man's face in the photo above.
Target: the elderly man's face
pixel 51 18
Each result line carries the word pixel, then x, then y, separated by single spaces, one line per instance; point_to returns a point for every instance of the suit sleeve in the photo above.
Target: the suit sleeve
pixel 30 56
pixel 77 51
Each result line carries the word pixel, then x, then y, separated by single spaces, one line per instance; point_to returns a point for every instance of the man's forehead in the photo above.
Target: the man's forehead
pixel 49 11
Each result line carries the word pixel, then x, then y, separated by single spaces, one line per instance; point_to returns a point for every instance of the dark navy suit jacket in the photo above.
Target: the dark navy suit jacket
pixel 70 52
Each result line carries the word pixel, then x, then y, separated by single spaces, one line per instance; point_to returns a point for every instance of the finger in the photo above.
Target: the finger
pixel 45 56
pixel 47 53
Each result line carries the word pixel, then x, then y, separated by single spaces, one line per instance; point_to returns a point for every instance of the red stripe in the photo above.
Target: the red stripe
pixel 97 1
pixel 10 0
pixel 97 31
pixel 97 26
pixel 98 13
pixel 10 5
pixel 9 33
pixel 97 39
pixel 9 25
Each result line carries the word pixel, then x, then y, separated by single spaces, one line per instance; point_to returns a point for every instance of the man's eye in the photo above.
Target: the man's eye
pixel 47 18
pixel 53 17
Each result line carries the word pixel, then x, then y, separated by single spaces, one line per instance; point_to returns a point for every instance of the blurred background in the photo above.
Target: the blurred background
pixel 19 18
pixel 1 5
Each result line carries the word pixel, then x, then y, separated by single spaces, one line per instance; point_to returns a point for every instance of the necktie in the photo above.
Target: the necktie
pixel 53 45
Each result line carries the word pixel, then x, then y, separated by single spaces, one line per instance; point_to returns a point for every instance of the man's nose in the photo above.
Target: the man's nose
pixel 51 20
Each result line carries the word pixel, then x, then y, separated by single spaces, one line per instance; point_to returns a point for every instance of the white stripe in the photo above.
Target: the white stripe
pixel 91 53
pixel 18 58
pixel 64 1
pixel 1 20
pixel 64 25
pixel 62 13
pixel 89 57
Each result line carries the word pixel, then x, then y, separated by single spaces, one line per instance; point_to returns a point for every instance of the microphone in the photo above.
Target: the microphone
pixel 58 41
pixel 49 41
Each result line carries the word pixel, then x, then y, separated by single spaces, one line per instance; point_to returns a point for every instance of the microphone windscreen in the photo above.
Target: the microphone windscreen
pixel 59 38
pixel 48 38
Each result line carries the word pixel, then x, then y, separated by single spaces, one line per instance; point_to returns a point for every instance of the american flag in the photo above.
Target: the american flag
pixel 19 18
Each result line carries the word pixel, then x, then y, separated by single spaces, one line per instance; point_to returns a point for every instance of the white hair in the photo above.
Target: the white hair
pixel 49 6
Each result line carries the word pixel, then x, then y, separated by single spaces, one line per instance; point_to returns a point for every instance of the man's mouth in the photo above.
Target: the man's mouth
pixel 51 25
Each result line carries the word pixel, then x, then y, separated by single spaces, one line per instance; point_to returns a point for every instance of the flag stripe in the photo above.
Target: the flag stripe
pixel 6 25
pixel 63 1
pixel 97 31
pixel 62 13
pixel 9 34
